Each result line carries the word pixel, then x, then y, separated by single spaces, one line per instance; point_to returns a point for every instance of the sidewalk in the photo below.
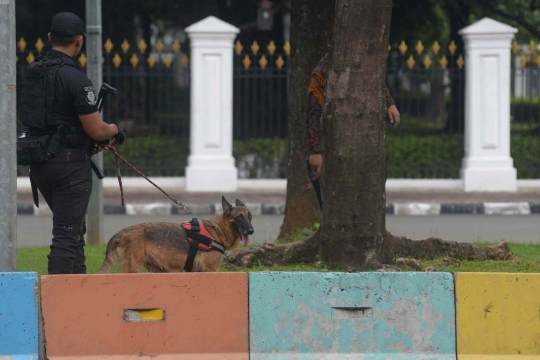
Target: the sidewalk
pixel 408 202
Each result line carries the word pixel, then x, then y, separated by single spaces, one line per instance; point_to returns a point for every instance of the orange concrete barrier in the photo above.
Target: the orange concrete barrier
pixel 199 316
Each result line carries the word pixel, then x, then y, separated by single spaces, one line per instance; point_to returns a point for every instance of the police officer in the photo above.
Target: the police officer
pixel 58 108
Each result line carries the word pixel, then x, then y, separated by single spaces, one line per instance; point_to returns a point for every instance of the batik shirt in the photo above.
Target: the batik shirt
pixel 316 101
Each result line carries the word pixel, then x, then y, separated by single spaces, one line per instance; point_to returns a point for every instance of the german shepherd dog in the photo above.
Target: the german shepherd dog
pixel 163 247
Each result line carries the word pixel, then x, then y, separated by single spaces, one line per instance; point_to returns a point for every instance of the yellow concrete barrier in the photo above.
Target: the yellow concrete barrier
pixel 498 316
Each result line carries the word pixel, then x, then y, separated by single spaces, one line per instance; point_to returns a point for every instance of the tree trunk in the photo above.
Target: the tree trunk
pixel 311 20
pixel 353 226
pixel 353 234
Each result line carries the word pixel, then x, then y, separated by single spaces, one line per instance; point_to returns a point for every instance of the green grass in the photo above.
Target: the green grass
pixel 526 259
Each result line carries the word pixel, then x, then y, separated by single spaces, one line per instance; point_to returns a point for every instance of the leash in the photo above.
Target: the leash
pixel 118 156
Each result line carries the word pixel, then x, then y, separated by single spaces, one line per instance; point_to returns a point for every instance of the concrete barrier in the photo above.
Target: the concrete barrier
pixel 146 316
pixel 351 316
pixel 18 316
pixel 498 316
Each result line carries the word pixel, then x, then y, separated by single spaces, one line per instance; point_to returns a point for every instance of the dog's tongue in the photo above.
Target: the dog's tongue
pixel 245 240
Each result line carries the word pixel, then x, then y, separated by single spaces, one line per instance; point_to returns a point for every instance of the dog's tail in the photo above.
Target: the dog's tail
pixel 108 263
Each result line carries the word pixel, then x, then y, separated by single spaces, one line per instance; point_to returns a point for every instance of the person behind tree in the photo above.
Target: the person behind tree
pixel 315 110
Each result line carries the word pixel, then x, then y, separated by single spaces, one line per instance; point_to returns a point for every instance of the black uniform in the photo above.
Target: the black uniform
pixel 65 180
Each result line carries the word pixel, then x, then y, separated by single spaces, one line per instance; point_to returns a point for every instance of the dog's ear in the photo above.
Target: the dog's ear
pixel 227 208
pixel 239 203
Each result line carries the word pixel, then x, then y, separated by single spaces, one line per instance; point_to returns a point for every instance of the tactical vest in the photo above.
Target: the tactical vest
pixel 43 132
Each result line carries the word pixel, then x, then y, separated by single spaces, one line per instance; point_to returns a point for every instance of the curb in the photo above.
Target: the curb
pixel 257 209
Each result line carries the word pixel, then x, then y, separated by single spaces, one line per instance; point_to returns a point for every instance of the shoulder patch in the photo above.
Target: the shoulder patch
pixel 90 95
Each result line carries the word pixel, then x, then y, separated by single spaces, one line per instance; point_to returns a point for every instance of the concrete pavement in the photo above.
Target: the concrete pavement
pixel 272 202
pixel 35 231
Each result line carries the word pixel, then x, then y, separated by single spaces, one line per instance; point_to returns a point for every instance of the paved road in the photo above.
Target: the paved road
pixel 35 230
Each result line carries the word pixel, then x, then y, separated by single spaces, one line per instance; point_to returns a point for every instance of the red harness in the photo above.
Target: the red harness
pixel 199 239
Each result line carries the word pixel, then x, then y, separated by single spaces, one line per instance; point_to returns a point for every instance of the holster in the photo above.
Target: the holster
pixel 33 149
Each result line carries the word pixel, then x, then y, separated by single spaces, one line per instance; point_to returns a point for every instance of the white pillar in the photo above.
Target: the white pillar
pixel 211 166
pixel 487 165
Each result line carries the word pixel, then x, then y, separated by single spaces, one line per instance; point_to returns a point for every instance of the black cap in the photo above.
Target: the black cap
pixel 67 24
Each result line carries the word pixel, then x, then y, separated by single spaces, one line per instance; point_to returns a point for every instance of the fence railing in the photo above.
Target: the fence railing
pixel 426 82
pixel 260 110
pixel 427 85
pixel 525 110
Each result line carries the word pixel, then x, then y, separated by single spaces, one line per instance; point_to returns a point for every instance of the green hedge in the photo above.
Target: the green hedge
pixel 408 156
pixel 153 155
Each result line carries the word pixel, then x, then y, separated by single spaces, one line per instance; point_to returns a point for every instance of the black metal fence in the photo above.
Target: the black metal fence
pixel 427 85
pixel 525 110
pixel 261 110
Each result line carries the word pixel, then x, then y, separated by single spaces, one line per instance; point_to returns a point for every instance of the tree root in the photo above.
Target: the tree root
pixel 307 250
pixel 303 251
pixel 431 248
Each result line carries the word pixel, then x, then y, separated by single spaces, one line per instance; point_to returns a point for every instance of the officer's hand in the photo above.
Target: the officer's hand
pixel 315 161
pixel 119 138
pixel 97 149
pixel 393 114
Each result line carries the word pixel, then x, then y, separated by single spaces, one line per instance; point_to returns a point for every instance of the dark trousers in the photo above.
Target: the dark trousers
pixel 65 182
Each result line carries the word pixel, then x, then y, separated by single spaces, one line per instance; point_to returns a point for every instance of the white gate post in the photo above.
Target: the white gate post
pixel 487 165
pixel 211 166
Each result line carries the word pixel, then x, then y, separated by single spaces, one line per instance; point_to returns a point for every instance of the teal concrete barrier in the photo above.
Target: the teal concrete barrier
pixel 402 316
pixel 18 316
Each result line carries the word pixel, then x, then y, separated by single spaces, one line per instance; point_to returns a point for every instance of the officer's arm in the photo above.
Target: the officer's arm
pixel 97 129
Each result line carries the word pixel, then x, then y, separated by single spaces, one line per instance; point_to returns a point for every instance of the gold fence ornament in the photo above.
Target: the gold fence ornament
pixel 436 47
pixel 151 60
pixel 108 46
pixel 125 46
pixel 39 44
pixel 21 44
pixel 238 47
pixel 452 47
pixel 142 46
pixel 523 61
pixel 460 62
pixel 287 48
pixel 419 47
pixel 246 62
pixel 185 61
pixel 160 46
pixel 117 60
pixel 443 62
pixel 176 46
pixel 515 46
pixel 263 62
pixel 134 60
pixel 271 47
pixel 30 58
pixel 83 60
pixel 280 62
pixel 255 47
pixel 410 62
pixel 402 47
pixel 168 61
pixel 427 62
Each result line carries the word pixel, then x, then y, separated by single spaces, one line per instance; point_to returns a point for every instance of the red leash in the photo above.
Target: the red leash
pixel 118 156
